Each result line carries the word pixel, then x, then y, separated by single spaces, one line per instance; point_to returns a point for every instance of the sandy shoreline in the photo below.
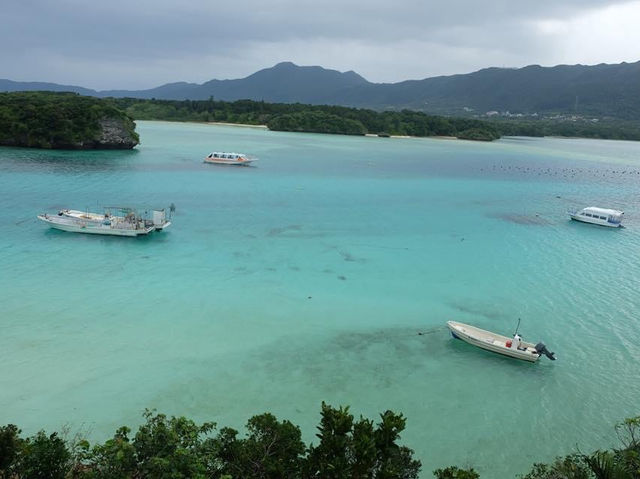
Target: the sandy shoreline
pixel 243 125
pixel 436 137
pixel 370 135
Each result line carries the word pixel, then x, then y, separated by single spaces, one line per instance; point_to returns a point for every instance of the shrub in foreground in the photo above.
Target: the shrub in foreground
pixel 347 448
pixel 177 448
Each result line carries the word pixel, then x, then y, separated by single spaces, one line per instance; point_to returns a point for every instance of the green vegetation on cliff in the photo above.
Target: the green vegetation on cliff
pixel 308 118
pixel 179 448
pixel 63 120
pixel 346 448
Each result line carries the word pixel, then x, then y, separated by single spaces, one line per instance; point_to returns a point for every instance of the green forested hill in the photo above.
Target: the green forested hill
pixel 599 90
pixel 63 120
pixel 594 90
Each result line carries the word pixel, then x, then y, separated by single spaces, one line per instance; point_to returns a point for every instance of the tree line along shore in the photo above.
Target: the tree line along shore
pixel 72 121
pixel 345 448
pixel 357 121
pixel 308 118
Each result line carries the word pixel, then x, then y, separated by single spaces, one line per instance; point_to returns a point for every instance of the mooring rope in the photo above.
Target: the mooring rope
pixel 432 330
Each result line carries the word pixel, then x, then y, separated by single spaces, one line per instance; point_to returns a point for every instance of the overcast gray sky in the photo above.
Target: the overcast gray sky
pixel 136 44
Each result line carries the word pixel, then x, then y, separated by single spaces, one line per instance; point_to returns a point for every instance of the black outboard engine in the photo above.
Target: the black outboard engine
pixel 542 349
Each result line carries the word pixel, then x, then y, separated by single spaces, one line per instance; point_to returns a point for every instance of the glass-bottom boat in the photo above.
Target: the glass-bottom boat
pixel 220 158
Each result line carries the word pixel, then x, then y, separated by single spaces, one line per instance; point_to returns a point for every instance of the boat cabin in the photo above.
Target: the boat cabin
pixel 593 214
pixel 222 158
pixel 226 156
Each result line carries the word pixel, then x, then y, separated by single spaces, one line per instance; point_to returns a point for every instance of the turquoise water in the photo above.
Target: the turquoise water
pixel 308 278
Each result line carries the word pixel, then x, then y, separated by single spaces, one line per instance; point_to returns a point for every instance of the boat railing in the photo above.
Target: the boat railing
pixel 143 213
pixel 117 217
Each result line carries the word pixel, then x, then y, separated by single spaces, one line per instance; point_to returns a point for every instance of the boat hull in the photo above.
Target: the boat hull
pixel 161 227
pixel 92 228
pixel 491 342
pixel 215 161
pixel 594 221
pixel 159 219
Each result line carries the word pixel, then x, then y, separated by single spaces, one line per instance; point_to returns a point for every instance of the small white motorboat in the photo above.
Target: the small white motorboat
pixel 496 343
pixel 220 158
pixel 598 216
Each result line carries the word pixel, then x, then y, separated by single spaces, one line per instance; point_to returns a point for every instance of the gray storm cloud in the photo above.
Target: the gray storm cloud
pixel 123 44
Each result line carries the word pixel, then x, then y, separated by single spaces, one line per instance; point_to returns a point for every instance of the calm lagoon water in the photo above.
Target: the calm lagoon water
pixel 308 278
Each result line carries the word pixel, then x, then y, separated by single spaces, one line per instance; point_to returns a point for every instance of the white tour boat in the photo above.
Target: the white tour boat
pixel 158 217
pixel 220 158
pixel 513 347
pixel 598 216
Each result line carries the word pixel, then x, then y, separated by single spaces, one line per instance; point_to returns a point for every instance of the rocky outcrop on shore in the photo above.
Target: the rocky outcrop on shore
pixel 115 134
pixel 64 121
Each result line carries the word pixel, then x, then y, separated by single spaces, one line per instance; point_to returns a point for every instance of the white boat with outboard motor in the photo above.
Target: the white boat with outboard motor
pixel 513 347
pixel 221 158
pixel 157 217
pixel 598 216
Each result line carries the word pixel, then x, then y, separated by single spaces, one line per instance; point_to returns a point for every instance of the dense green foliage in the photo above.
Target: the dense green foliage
pixel 57 120
pixel 179 448
pixel 618 463
pixel 316 122
pixel 354 121
pixel 308 118
pixel 454 472
pixel 346 449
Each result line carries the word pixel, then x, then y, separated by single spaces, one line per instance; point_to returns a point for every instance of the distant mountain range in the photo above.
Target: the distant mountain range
pixel 599 90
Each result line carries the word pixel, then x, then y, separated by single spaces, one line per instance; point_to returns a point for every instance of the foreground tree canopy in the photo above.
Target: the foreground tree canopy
pixel 346 448
pixel 179 448
pixel 63 120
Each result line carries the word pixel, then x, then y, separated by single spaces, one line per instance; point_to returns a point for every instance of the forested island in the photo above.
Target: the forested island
pixel 356 121
pixel 308 118
pixel 346 448
pixel 64 121
pixel 72 121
